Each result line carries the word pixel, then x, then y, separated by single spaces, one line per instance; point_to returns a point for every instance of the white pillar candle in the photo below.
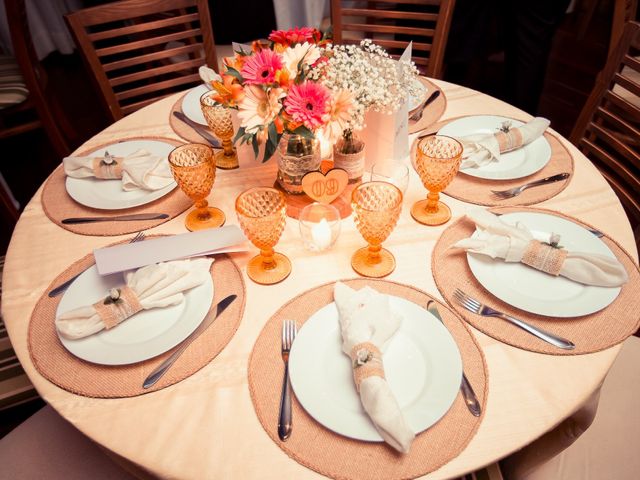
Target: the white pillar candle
pixel 321 235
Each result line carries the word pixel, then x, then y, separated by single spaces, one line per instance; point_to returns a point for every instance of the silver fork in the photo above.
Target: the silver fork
pixel 63 286
pixel 515 191
pixel 478 308
pixel 289 331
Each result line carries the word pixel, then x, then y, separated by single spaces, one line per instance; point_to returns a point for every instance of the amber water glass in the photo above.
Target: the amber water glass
pixel 219 120
pixel 262 216
pixel 376 206
pixel 437 162
pixel 193 167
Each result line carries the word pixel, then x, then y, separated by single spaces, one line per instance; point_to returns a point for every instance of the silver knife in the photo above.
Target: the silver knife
pixel 200 129
pixel 208 320
pixel 117 218
pixel 469 395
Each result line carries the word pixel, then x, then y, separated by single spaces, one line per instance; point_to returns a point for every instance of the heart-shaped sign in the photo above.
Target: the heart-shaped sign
pixel 325 188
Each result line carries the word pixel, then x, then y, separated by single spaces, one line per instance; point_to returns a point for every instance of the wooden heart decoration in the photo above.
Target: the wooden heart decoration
pixel 325 187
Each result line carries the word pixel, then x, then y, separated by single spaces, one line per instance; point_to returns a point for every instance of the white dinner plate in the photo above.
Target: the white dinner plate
pixel 538 292
pixel 108 194
pixel 416 100
pixel 145 335
pixel 517 164
pixel 191 104
pixel 422 365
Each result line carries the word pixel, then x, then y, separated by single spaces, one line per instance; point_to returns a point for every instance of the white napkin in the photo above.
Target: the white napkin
pixel 366 316
pixel 140 170
pixel 156 286
pixel 497 239
pixel 484 148
pixel 208 75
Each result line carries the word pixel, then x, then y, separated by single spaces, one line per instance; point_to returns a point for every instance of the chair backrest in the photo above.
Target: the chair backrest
pixel 141 50
pixel 608 128
pixel 392 24
pixel 34 75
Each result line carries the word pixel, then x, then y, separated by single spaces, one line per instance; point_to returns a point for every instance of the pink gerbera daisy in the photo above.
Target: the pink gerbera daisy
pixel 261 67
pixel 308 103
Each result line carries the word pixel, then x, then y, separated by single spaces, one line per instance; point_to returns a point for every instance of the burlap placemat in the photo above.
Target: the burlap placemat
pixel 60 367
pixel 340 457
pixel 431 113
pixel 182 129
pixel 590 333
pixel 58 205
pixel 478 190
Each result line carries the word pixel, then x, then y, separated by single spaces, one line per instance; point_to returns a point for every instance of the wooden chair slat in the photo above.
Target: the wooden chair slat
pixel 624 126
pixel 152 57
pixel 632 62
pixel 140 44
pixel 369 28
pixel 142 27
pixel 154 72
pixel 172 82
pixel 627 83
pixel 619 149
pixel 370 13
pixel 417 46
pixel 124 10
pixel 409 2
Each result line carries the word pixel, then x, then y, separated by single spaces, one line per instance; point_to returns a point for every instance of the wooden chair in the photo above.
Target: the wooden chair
pixel 141 50
pixel 39 109
pixel 393 23
pixel 608 128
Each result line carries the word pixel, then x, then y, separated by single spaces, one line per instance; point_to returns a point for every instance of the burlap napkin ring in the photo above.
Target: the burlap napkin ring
pixel 107 167
pixel 509 139
pixel 544 256
pixel 366 361
pixel 120 304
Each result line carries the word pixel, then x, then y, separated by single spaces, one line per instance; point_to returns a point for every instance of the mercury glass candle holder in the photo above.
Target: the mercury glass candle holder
pixel 376 206
pixel 218 118
pixel 319 226
pixel 437 161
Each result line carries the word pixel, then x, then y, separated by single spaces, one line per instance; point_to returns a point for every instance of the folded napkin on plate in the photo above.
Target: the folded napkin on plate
pixel 517 244
pixel 367 324
pixel 208 75
pixel 154 286
pixel 482 149
pixel 139 170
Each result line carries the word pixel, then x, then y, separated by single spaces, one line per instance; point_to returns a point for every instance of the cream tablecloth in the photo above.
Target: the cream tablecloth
pixel 205 426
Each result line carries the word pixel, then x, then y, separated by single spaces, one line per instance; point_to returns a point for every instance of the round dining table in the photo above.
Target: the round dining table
pixel 205 426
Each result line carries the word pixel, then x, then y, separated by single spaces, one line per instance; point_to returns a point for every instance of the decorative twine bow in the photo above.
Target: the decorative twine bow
pixel 366 361
pixel 108 167
pixel 120 304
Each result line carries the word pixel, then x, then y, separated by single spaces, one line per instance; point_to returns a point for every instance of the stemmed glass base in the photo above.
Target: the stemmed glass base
pixel 202 218
pixel 432 216
pixel 373 265
pixel 227 162
pixel 269 273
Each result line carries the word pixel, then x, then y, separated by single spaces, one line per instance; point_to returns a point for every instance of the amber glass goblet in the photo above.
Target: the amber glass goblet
pixel 193 166
pixel 219 120
pixel 377 207
pixel 262 215
pixel 437 162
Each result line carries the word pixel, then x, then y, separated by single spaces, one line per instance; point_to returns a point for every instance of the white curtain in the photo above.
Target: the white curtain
pixel 300 13
pixel 48 29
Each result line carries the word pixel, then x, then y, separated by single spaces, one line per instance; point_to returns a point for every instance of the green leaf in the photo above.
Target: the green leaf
pixel 254 144
pixel 305 132
pixel 234 73
pixel 239 134
pixel 269 149
pixel 273 134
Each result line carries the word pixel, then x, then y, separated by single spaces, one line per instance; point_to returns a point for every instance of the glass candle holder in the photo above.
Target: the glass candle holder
pixel 319 226
pixel 396 174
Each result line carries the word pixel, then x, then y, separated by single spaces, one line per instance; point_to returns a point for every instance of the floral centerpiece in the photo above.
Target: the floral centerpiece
pixel 298 84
